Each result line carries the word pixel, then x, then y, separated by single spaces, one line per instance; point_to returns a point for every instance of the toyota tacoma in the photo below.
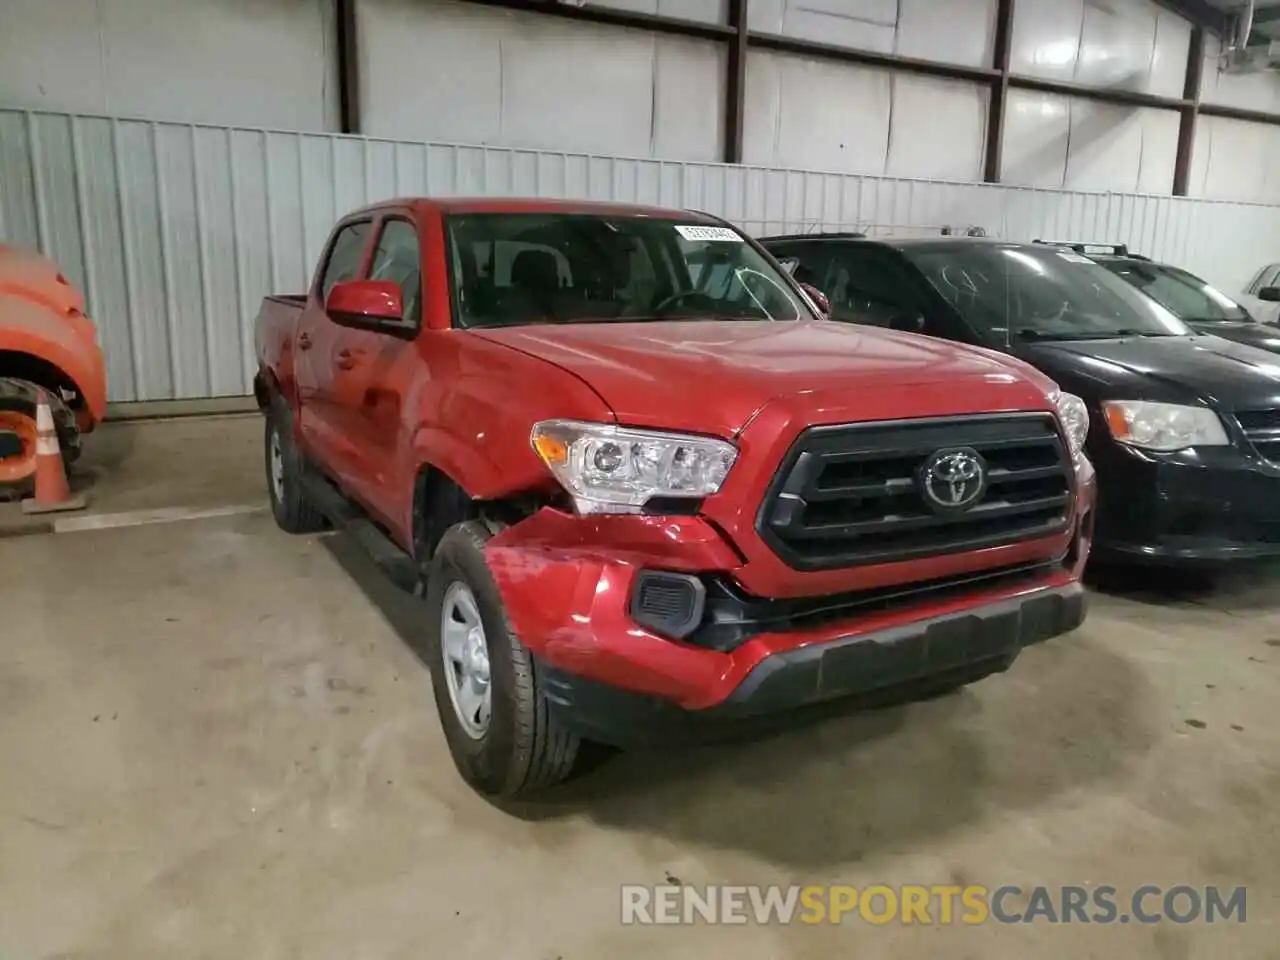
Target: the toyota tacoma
pixel 646 489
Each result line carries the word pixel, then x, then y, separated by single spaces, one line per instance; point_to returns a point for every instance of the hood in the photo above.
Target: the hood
pixel 1265 336
pixel 715 376
pixel 1231 376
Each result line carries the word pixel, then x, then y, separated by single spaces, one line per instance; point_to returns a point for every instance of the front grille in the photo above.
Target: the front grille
pixel 1262 427
pixel 852 494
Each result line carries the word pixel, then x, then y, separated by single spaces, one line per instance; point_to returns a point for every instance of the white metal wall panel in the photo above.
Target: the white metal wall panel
pixel 262 62
pixel 701 11
pixel 1056 141
pixel 449 71
pixel 937 129
pixel 1258 90
pixel 867 121
pixel 177 231
pixel 1129 44
pixel 950 31
pixel 1236 160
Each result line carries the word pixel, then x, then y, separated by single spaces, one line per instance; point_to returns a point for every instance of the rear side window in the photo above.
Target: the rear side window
pixel 344 256
pixel 396 258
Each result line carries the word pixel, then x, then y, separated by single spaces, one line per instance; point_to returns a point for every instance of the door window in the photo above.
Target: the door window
pixel 1266 277
pixel 397 258
pixel 807 262
pixel 867 285
pixel 344 256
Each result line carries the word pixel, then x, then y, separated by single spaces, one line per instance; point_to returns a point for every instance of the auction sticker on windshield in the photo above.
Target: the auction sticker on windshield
pixel 717 234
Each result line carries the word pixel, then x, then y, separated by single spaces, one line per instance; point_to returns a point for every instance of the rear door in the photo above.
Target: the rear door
pixel 373 373
pixel 317 352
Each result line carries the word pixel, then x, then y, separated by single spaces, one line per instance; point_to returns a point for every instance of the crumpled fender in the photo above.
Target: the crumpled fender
pixel 31 327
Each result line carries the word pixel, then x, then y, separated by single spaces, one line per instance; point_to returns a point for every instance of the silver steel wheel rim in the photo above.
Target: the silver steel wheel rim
pixel 466 659
pixel 277 466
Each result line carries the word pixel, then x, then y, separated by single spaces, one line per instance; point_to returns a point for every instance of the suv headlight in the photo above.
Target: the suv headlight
pixel 608 469
pixel 1163 427
pixel 1075 420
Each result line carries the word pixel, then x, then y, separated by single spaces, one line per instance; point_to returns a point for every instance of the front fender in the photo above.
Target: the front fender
pixel 32 328
pixel 474 414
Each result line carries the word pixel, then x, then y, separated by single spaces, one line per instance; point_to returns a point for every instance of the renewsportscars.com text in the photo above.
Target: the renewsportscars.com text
pixel 930 905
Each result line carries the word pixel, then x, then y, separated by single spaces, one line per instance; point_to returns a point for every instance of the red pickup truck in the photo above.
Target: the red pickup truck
pixel 646 488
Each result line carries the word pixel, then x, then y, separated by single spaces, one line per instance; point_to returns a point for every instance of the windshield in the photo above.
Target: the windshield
pixel 1185 295
pixel 1016 293
pixel 514 268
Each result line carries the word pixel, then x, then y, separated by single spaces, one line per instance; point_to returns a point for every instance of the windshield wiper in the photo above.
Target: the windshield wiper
pixel 1031 334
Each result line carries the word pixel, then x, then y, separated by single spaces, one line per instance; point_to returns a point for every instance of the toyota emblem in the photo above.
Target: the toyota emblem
pixel 953 480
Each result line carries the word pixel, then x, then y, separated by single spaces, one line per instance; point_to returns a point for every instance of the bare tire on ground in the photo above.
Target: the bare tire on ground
pixel 285 468
pixel 501 734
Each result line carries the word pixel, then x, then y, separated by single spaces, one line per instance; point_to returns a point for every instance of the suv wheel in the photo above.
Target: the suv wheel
pixel 18 402
pixel 285 468
pixel 503 739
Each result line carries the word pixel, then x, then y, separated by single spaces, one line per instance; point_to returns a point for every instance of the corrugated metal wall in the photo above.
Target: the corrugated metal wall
pixel 176 231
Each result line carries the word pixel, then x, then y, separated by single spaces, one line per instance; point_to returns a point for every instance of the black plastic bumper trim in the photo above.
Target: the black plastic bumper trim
pixel 966 645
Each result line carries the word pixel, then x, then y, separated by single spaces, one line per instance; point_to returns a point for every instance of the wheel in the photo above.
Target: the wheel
pixel 285 469
pixel 18 401
pixel 501 734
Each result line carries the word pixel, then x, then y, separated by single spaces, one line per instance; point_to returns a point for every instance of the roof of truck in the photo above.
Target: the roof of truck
pixel 539 205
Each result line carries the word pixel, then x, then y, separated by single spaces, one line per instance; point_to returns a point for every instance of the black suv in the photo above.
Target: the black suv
pixel 1189 298
pixel 1185 428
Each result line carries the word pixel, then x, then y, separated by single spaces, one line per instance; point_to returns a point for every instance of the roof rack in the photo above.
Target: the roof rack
pixel 1112 249
pixel 832 235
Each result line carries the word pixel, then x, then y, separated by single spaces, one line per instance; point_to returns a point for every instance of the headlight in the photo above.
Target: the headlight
pixel 1163 427
pixel 608 469
pixel 1075 420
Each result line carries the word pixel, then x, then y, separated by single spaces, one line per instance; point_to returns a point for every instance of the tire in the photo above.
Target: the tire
pixel 289 504
pixel 521 749
pixel 18 401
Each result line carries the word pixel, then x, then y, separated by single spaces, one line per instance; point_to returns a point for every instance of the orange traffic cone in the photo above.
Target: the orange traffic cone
pixel 53 493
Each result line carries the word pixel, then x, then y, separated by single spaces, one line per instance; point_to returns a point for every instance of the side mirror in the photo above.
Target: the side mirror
pixel 376 305
pixel 1269 294
pixel 818 297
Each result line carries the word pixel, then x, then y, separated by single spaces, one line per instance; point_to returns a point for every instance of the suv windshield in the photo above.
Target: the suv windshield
pixel 1185 295
pixel 1009 293
pixel 515 268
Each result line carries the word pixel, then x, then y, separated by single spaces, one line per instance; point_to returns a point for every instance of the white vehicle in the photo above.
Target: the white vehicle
pixel 1262 297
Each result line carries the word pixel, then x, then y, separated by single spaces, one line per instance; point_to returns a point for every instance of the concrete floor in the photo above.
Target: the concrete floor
pixel 218 742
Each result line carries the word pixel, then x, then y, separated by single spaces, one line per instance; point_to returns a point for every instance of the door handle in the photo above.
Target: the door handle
pixel 304 342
